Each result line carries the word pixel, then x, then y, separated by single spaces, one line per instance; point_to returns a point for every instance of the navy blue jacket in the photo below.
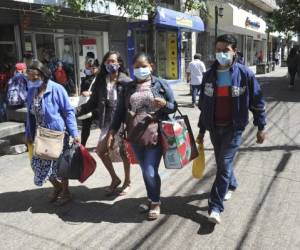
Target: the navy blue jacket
pixel 159 87
pixel 246 95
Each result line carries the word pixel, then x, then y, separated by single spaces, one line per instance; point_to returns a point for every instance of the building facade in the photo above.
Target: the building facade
pixel 245 21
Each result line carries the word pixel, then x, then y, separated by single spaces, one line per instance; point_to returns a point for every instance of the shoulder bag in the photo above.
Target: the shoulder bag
pixel 83 100
pixel 48 144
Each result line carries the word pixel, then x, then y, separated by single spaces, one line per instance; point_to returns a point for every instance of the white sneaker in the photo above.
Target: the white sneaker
pixel 228 195
pixel 214 217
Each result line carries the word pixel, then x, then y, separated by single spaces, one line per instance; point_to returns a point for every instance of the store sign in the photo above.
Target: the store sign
pixel 252 23
pixel 181 21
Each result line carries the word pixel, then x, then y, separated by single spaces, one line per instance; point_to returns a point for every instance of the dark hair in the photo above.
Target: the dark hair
pixel 90 55
pixel 227 38
pixel 103 71
pixel 44 71
pixel 197 56
pixel 144 55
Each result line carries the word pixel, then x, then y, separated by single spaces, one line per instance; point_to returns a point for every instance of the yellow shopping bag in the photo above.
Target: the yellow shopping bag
pixel 30 151
pixel 199 163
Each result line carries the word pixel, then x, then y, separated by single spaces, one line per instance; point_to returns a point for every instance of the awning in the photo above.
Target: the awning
pixel 177 19
pixel 237 20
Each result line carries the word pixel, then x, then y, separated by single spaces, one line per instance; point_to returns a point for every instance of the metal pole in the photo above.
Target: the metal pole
pixel 216 22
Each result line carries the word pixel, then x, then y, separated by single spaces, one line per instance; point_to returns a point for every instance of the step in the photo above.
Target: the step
pixel 17 115
pixel 11 128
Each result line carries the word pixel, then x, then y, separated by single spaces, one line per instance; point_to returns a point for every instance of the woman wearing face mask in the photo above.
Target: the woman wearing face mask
pixel 150 95
pixel 104 99
pixel 49 107
pixel 86 89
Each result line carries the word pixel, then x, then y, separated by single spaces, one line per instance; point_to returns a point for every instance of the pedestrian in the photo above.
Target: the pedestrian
pixel 48 106
pixel 104 100
pixel 16 93
pixel 228 91
pixel 276 57
pixel 194 74
pixel 292 61
pixel 86 88
pixel 153 97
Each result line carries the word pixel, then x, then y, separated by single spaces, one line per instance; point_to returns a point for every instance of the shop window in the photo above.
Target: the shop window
pixel 45 48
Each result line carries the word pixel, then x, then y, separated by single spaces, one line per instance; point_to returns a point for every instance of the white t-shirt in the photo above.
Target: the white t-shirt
pixel 196 68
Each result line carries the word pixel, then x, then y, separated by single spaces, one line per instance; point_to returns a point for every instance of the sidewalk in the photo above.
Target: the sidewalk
pixel 262 214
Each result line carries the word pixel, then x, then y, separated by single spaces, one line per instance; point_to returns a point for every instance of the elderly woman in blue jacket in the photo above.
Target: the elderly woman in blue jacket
pixel 48 106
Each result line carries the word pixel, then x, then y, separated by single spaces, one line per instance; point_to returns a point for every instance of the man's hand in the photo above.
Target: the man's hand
pixel 260 136
pixel 200 138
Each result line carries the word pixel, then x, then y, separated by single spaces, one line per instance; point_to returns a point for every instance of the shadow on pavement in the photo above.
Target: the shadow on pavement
pixel 91 205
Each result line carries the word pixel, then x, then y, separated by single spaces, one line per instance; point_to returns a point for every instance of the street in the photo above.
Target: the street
pixel 262 214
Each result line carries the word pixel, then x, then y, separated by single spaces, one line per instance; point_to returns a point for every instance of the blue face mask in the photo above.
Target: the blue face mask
pixel 142 73
pixel 34 84
pixel 87 72
pixel 112 68
pixel 224 59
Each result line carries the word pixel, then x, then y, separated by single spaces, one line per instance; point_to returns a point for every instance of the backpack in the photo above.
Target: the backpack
pixel 17 90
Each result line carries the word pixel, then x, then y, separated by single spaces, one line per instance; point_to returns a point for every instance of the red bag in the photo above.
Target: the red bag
pixel 89 164
pixel 129 152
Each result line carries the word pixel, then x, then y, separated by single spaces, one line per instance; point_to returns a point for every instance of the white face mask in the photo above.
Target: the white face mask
pixel 34 84
pixel 142 73
pixel 225 59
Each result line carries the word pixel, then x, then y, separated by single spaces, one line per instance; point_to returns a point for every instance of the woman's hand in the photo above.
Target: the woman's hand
pixel 76 139
pixel 159 102
pixel 110 140
pixel 86 93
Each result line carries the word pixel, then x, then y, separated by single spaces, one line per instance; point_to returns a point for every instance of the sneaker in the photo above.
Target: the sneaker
pixel 228 195
pixel 214 217
pixel 291 87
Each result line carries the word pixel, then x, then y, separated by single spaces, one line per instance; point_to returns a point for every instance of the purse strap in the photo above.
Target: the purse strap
pixel 92 83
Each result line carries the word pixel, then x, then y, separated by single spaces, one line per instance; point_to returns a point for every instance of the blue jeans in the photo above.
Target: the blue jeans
pixel 195 92
pixel 149 159
pixel 226 142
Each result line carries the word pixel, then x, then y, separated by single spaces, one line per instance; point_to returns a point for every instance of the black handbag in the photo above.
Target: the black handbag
pixel 70 163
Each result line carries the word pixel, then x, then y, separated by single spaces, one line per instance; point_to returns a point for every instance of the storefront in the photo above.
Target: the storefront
pixel 169 26
pixel 70 48
pixel 249 29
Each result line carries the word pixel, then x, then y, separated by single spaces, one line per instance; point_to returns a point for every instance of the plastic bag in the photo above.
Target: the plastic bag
pixel 199 163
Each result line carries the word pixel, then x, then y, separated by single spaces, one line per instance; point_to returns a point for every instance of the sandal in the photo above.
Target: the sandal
pixel 125 189
pixel 154 212
pixel 64 199
pixel 144 208
pixel 54 195
pixel 113 186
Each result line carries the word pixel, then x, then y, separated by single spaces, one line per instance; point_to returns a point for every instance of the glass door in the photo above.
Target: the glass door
pixel 66 52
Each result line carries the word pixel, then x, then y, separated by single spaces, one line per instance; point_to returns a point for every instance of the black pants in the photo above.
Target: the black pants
pixel 86 129
pixel 292 76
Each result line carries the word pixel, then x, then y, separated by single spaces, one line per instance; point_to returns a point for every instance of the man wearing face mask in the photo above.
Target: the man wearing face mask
pixel 229 89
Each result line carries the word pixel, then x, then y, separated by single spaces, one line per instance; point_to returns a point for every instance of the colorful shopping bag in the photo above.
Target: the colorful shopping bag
pixel 89 164
pixel 176 141
pixel 199 163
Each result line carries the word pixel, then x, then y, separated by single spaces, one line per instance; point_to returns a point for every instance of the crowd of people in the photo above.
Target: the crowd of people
pixel 228 90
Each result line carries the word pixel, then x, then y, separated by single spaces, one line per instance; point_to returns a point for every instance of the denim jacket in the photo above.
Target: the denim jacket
pixel 159 87
pixel 58 112
pixel 246 95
